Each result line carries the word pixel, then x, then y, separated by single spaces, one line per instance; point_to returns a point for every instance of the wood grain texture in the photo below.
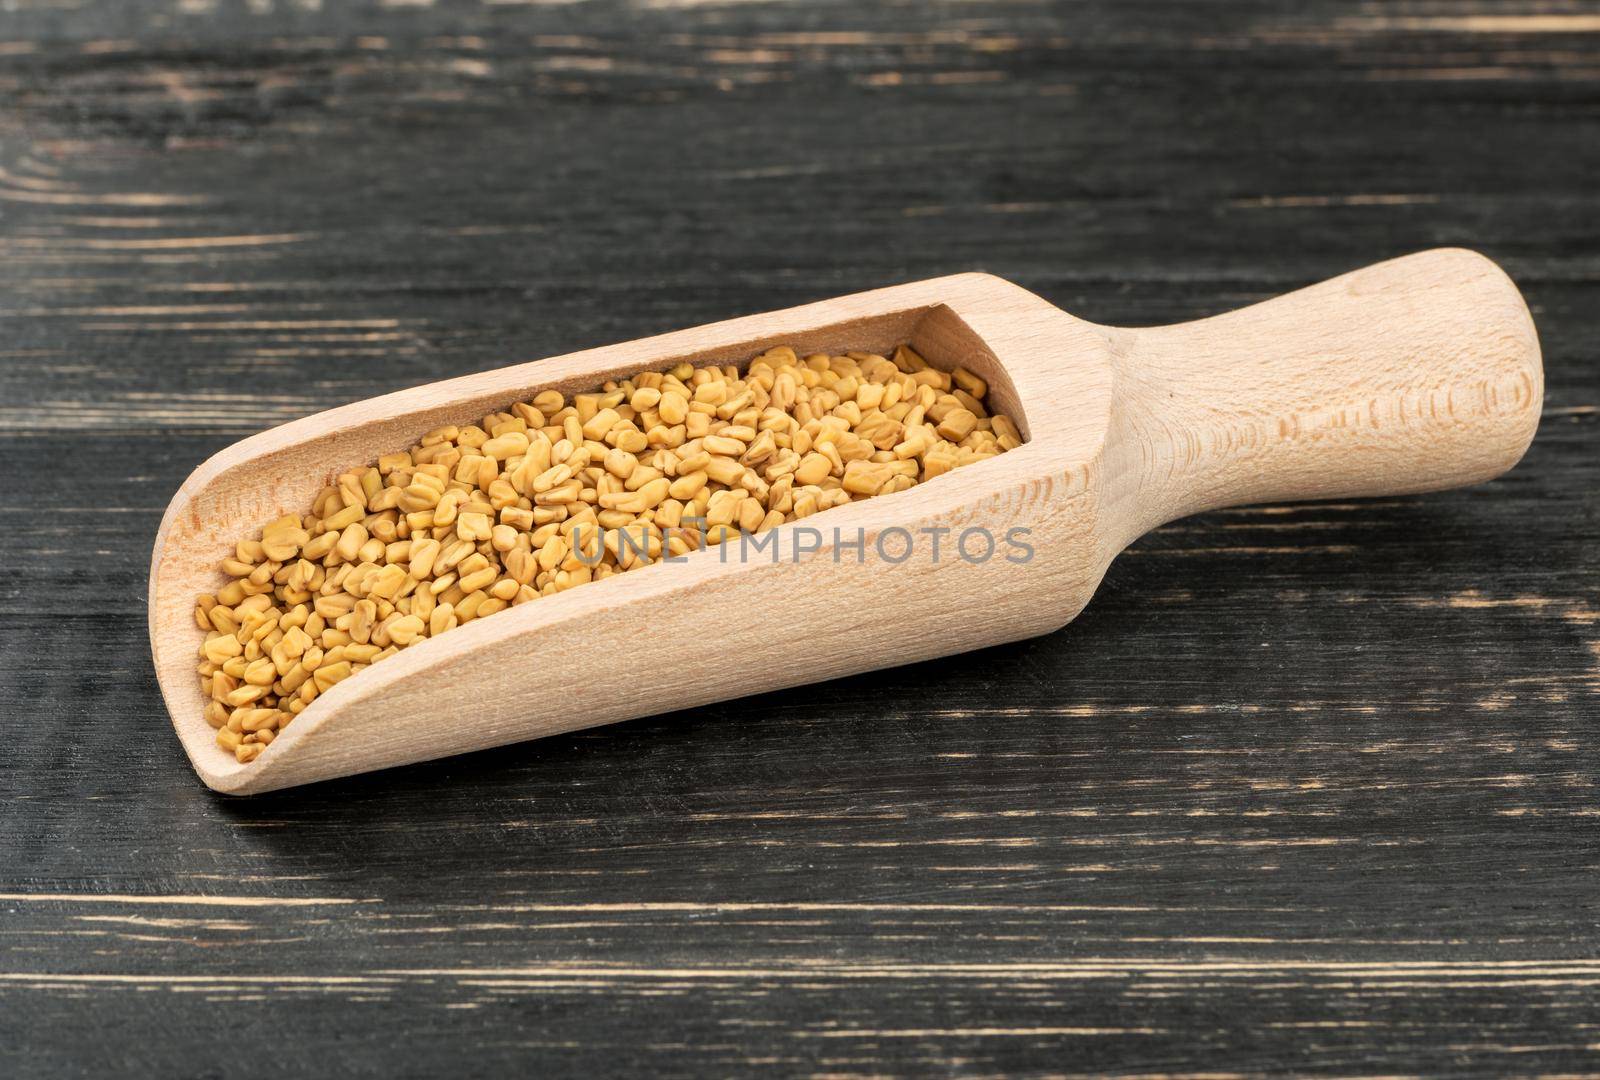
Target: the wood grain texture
pixel 1306 788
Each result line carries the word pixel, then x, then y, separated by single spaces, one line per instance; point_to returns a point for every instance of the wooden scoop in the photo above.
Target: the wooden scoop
pixel 1413 375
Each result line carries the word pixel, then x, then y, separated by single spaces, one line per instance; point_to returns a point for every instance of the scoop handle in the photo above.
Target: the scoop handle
pixel 1416 374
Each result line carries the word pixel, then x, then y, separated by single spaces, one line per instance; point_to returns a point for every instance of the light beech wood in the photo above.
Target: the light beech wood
pixel 1412 375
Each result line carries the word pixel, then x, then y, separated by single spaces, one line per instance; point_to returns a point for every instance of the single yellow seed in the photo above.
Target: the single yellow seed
pixel 423 554
pixel 688 486
pixel 969 382
pixel 478 579
pixel 864 478
pixel 673 407
pixel 717 444
pixel 814 469
pixel 506 446
pixel 261 672
pixel 601 423
pixel 326 676
pixel 473 527
pixel 220 647
pixel 405 630
pixel 244 695
pixel 503 537
pixel 957 424
pixel 551 478
pixel 725 471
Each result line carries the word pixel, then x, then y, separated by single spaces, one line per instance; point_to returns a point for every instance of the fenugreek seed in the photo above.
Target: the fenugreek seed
pixel 407 629
pixel 957 424
pixel 521 565
pixel 362 619
pixel 331 607
pixel 969 382
pixel 418 497
pixel 970 403
pixel 478 579
pixel 673 408
pixel 620 463
pixel 688 486
pixel 473 527
pixel 518 518
pixel 449 503
pixel 467 609
pixel 422 555
pixel 542 497
pixel 503 537
pixel 725 471
pixel 629 502
pixel 551 478
pixel 813 469
pixel 717 444
pixel 751 514
pixel 506 446
pixel 864 478
pixel 529 414
pixel 342 519
pixel 597 426
pixel 455 550
pixel 222 618
pixel 259 720
pixel 655 492
pixel 560 495
pixel 386 583
pixel 329 675
pixel 938 461
pixel 350 542
pixel 285 545
pixel 245 694
pixel 220 647
pixel 261 672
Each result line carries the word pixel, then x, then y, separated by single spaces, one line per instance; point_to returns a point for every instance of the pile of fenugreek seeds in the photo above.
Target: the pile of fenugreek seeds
pixel 552 494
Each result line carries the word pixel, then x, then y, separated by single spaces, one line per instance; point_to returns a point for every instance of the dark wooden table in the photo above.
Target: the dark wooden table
pixel 1307 788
